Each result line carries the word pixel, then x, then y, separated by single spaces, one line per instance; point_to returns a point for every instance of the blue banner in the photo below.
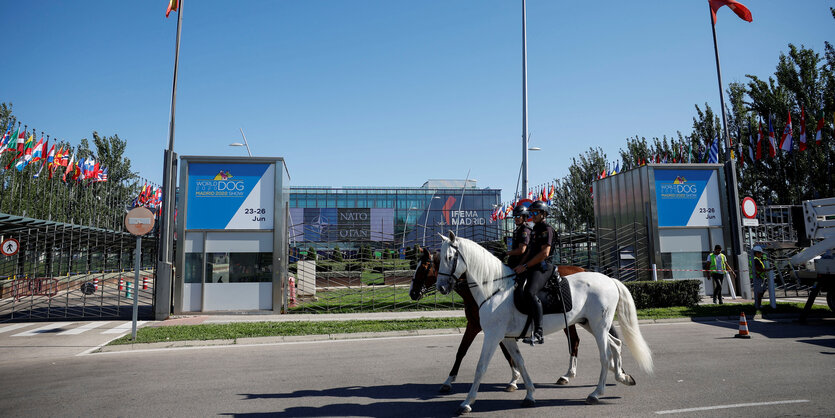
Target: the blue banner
pixel 688 198
pixel 230 196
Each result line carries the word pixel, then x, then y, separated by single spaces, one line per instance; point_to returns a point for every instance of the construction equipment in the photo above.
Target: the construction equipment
pixel 818 232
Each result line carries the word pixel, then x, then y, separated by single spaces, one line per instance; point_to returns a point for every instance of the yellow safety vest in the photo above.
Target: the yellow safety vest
pixel 713 267
pixel 761 271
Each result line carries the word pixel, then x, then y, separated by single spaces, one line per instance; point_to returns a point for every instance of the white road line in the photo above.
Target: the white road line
pixel 123 327
pixel 43 329
pixel 737 405
pixel 13 327
pixel 83 328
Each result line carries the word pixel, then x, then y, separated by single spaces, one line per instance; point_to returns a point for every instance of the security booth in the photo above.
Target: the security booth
pixel 662 220
pixel 232 235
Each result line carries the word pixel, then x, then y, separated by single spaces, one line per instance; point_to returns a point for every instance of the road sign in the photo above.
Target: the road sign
pixel 750 222
pixel 9 247
pixel 139 221
pixel 749 208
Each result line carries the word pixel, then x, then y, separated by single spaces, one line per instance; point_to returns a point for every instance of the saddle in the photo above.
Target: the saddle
pixel 555 296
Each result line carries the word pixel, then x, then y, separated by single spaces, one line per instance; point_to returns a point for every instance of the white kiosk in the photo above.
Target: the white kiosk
pixel 231 235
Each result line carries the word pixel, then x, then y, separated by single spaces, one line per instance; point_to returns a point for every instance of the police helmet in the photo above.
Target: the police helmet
pixel 521 210
pixel 539 206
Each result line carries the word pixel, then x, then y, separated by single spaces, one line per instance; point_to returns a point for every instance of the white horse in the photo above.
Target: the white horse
pixel 596 298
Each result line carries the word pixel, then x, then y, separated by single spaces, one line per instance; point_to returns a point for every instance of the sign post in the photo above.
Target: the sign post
pixel 139 221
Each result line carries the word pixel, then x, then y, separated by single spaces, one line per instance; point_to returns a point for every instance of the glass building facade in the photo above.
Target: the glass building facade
pixel 391 217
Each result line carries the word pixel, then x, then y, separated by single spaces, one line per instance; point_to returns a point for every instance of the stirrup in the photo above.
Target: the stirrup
pixel 536 338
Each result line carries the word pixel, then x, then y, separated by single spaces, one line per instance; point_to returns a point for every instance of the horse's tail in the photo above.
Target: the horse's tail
pixel 628 319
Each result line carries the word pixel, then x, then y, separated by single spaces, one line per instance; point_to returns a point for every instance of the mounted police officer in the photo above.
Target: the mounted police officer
pixel 534 268
pixel 521 236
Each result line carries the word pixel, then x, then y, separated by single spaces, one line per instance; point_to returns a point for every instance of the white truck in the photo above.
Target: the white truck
pixel 818 232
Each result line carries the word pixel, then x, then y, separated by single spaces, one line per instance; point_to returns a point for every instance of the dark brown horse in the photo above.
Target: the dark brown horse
pixel 425 277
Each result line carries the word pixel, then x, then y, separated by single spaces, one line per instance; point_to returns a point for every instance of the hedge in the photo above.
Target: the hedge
pixel 664 293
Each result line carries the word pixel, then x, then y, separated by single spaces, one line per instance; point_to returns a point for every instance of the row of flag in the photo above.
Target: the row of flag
pixel 547 194
pixel 757 148
pixel 150 196
pixel 27 152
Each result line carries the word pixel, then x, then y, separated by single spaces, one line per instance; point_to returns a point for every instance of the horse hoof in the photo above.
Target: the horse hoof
pixel 562 381
pixel 591 400
pixel 511 388
pixel 630 381
pixel 463 410
pixel 446 389
pixel 527 403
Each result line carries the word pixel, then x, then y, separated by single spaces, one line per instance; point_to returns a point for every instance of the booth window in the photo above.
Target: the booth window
pixel 239 267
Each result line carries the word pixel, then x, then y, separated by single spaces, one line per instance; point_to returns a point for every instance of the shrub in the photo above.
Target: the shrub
pixel 664 293
pixel 337 254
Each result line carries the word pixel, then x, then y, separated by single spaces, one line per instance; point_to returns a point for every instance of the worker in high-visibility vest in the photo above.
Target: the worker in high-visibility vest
pixel 717 263
pixel 760 276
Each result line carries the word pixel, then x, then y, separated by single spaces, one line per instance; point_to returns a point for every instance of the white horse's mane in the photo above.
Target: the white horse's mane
pixel 483 268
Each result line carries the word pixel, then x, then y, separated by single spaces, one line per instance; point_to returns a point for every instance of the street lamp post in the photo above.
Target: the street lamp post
pixel 245 144
pixel 522 167
pixel 426 221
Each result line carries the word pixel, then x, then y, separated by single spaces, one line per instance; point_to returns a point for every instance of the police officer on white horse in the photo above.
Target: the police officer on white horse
pixel 533 267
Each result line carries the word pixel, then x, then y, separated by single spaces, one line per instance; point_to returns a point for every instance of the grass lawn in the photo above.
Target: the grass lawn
pixel 234 331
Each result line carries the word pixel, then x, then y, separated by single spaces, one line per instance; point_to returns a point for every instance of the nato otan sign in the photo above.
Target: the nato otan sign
pixel 230 196
pixel 688 198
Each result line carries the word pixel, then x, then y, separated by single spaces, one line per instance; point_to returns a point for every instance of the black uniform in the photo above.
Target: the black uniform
pixel 542 235
pixel 521 236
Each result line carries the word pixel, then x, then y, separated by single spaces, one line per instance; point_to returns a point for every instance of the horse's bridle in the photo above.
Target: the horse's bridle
pixel 455 280
pixel 429 267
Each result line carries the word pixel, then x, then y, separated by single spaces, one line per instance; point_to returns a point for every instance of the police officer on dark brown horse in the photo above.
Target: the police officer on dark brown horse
pixel 533 268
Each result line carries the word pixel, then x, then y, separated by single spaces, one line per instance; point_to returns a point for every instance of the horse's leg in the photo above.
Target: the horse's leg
pixel 600 329
pixel 574 339
pixel 616 361
pixel 491 340
pixel 514 371
pixel 520 362
pixel 473 328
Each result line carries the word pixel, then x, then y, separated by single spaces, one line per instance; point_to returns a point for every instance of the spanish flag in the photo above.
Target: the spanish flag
pixel 173 5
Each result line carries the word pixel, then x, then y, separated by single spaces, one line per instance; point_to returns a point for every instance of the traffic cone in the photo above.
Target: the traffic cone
pixel 144 283
pixel 121 284
pixel 743 327
pixel 96 284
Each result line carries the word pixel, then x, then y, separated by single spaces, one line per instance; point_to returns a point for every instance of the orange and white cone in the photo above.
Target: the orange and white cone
pixel 743 327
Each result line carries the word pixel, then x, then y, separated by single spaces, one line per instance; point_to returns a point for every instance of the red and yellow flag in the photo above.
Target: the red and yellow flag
pixel 173 5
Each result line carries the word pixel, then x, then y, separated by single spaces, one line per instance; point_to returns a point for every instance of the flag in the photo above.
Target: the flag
pixel 772 143
pixel 50 159
pixel 69 168
pixel 26 154
pixel 713 154
pixel 786 138
pixel 819 132
pixel 759 146
pixel 44 157
pixel 39 151
pixel 173 5
pixel 801 144
pixel 7 137
pixel 736 6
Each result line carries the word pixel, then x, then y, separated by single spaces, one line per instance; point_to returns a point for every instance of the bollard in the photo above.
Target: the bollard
pixel 129 292
pixel 96 284
pixel 292 291
pixel 121 284
pixel 144 283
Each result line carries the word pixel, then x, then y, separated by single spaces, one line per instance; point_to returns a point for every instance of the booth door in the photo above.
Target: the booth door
pixel 239 271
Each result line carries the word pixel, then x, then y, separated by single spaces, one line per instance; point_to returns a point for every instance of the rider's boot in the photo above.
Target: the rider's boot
pixel 536 315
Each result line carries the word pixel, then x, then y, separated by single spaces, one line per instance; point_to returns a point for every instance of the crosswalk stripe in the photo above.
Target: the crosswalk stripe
pixel 43 329
pixel 83 328
pixel 122 328
pixel 13 327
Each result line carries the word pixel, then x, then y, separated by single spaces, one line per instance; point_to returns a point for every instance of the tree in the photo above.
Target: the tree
pixel 574 206
pixel 337 254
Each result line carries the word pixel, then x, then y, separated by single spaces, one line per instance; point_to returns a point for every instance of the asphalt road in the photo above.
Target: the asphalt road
pixel 698 365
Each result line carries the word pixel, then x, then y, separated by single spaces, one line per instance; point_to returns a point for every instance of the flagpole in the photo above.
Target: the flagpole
pixel 730 171
pixel 164 268
pixel 524 103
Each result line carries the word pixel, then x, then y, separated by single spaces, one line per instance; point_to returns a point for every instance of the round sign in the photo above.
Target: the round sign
pixel 88 288
pixel 749 208
pixel 139 221
pixel 9 247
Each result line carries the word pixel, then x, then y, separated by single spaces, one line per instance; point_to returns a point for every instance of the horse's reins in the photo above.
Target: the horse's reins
pixel 459 280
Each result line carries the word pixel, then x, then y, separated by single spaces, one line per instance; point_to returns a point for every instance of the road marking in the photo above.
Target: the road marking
pixel 83 328
pixel 13 327
pixel 42 330
pixel 737 405
pixel 123 327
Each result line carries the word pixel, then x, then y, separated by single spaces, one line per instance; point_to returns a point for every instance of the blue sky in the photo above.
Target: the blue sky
pixel 386 93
